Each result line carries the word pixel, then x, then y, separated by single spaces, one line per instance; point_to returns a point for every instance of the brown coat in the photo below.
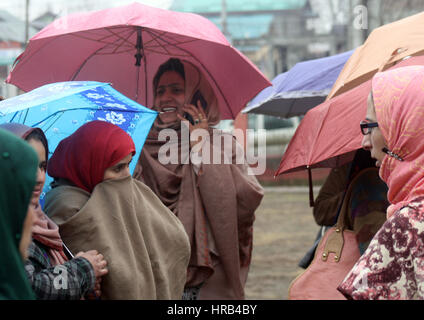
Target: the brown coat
pixel 330 196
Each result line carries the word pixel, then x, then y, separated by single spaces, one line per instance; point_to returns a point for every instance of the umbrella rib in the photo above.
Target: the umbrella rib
pixel 59 113
pixel 124 40
pixel 318 134
pixel 98 50
pixel 86 60
pixel 165 34
pixel 109 53
pixel 26 115
pixel 155 38
pixel 83 64
pixel 16 113
pixel 162 36
pixel 103 39
pixel 140 47
pixel 20 116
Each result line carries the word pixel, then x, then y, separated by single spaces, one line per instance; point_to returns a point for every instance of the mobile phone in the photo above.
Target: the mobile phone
pixel 196 97
pixel 68 252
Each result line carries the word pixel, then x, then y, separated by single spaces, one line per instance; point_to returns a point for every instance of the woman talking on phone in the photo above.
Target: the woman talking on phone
pixel 214 201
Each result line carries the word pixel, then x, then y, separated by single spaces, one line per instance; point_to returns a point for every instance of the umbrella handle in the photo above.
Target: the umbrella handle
pixel 311 189
pixel 139 47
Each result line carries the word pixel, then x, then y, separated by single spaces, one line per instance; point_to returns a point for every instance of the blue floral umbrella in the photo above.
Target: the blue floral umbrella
pixel 59 109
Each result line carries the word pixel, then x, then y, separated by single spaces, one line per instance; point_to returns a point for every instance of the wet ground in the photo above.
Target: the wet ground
pixel 283 231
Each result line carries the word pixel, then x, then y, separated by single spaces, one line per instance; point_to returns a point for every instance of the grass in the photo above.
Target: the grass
pixel 284 230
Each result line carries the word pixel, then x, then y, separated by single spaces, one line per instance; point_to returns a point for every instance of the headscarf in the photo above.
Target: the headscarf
pixel 44 230
pixel 18 166
pixel 399 105
pixel 23 131
pixel 83 157
pixel 194 81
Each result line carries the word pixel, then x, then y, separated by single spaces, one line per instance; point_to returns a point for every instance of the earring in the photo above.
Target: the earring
pixel 391 154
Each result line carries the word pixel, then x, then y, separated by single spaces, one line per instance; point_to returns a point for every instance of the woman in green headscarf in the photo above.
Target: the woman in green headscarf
pixel 18 167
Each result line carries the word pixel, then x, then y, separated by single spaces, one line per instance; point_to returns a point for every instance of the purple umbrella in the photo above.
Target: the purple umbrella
pixel 301 88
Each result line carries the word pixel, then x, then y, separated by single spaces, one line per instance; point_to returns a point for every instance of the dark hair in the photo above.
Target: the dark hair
pixel 38 135
pixel 172 64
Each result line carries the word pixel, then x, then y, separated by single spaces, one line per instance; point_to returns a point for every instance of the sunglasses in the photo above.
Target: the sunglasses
pixel 367 126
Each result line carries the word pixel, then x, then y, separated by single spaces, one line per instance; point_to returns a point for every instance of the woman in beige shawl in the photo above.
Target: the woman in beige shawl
pixel 97 204
pixel 215 202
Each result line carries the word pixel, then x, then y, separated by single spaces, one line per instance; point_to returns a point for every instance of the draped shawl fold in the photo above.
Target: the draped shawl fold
pixel 216 208
pixel 144 243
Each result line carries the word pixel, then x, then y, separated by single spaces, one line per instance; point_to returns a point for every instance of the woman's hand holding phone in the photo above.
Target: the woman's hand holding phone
pixel 200 120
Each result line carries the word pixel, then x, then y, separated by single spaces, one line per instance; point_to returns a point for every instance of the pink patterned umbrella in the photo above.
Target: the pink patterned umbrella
pixel 125 46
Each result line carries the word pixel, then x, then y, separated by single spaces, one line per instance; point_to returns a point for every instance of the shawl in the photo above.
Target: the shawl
pixel 399 105
pixel 83 157
pixel 18 166
pixel 43 230
pixel 144 243
pixel 215 206
pixel 22 131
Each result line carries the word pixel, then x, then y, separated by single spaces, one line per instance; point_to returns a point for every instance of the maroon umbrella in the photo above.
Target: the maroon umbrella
pixel 329 134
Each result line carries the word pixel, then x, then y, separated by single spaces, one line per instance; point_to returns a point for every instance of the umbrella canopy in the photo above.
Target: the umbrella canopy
pixel 329 134
pixel 59 109
pixel 384 46
pixel 303 87
pixel 125 46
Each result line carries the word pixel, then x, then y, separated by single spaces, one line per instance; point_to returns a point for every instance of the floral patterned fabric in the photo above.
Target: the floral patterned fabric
pixel 393 265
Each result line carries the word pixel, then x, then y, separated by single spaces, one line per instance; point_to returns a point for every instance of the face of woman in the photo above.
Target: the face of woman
pixel 169 96
pixel 119 170
pixel 41 172
pixel 374 142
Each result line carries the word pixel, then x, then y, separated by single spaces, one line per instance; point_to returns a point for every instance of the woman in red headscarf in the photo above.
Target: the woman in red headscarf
pixel 96 203
pixel 393 265
pixel 46 255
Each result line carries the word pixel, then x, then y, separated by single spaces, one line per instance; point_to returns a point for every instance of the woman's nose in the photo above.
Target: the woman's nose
pixel 40 175
pixel 166 96
pixel 366 142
